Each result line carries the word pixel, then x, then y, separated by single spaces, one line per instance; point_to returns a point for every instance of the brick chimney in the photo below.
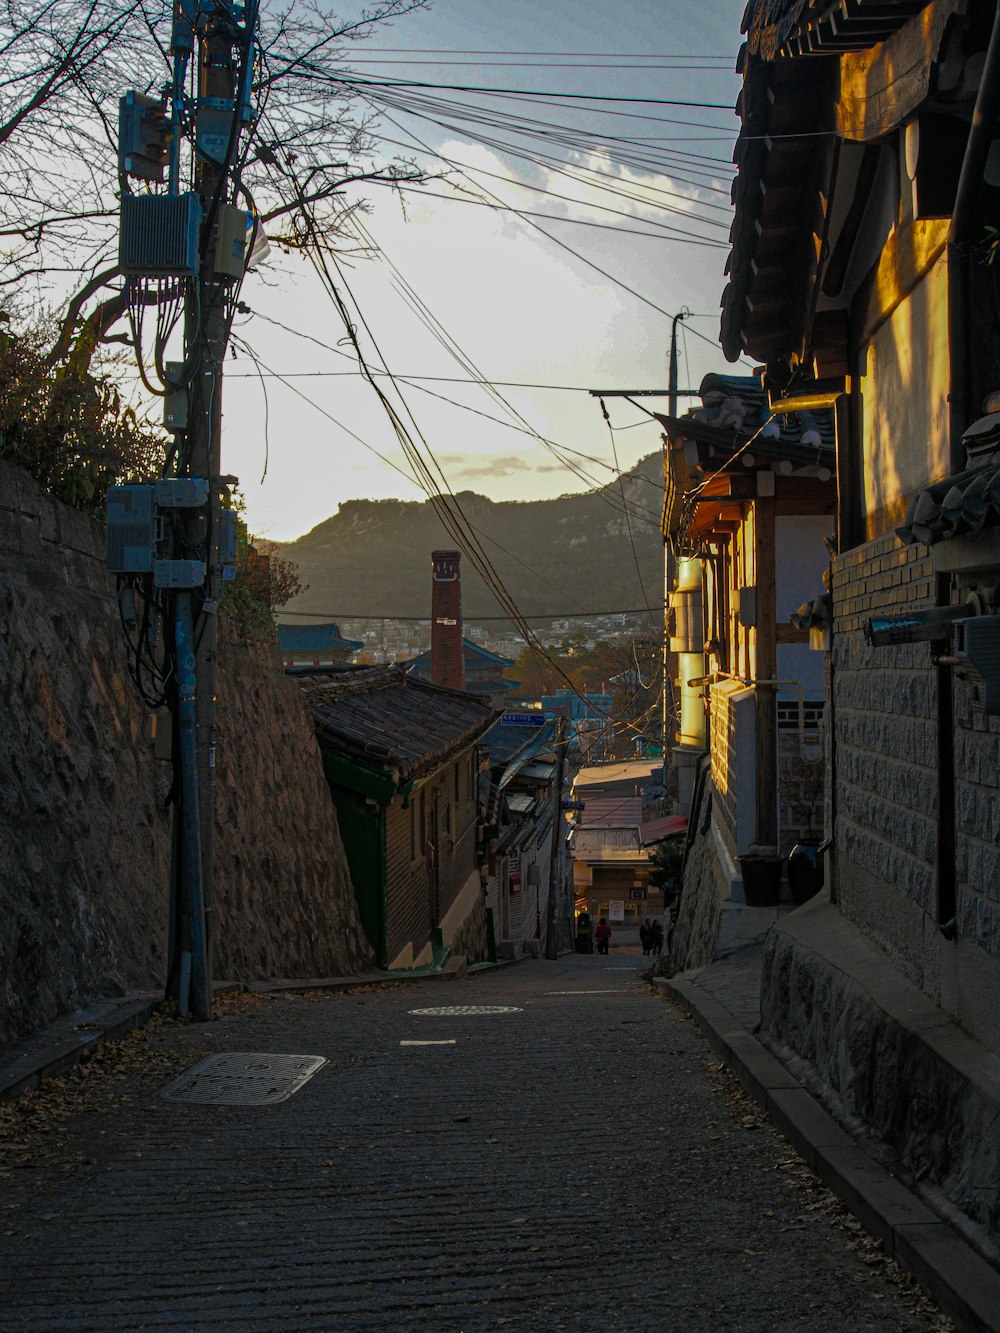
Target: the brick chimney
pixel 447 653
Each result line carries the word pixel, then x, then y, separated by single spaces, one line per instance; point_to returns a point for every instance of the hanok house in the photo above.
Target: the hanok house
pixel 315 645
pixel 750 507
pixel 863 271
pixel 401 758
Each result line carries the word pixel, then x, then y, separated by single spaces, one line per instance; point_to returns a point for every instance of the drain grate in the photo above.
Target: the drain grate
pixel 243 1078
pixel 452 1010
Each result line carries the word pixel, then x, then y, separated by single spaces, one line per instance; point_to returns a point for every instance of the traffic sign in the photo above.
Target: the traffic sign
pixel 522 719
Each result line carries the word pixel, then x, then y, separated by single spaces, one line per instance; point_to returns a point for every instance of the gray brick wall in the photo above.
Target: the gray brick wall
pixel 977 798
pixel 885 704
pixel 885 720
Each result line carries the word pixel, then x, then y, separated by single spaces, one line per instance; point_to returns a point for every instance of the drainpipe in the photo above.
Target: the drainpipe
pixel 691 664
pixel 688 643
pixel 981 135
pixel 194 987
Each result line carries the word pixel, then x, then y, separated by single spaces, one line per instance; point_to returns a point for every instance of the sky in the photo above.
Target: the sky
pixel 302 429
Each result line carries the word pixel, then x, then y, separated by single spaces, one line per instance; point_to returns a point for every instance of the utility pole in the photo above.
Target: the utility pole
pixel 668 573
pixel 220 107
pixel 193 238
pixel 555 854
pixel 672 394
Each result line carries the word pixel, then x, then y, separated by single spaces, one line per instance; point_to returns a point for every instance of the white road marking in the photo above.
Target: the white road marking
pixel 618 990
pixel 449 1042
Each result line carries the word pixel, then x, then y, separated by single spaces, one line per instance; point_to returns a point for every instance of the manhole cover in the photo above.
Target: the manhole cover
pixel 451 1010
pixel 243 1078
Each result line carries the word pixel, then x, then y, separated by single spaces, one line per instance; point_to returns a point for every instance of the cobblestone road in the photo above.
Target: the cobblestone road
pixel 578 1164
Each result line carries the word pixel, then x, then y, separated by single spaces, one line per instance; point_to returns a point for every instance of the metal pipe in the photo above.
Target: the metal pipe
pixel 969 185
pixel 191 860
pixel 914 626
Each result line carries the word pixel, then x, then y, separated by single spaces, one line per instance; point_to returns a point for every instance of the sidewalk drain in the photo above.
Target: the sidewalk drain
pixel 243 1078
pixel 449 1010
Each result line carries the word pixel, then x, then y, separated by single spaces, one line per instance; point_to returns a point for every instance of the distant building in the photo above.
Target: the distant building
pixel 520 821
pixel 590 724
pixel 483 671
pixel 610 857
pixel 315 645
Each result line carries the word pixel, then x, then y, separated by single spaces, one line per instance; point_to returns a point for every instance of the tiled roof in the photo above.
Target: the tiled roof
pixel 306 638
pixel 776 193
pixel 734 407
pixel 799 27
pixel 470 650
pixel 393 720
pixel 503 744
pixel 520 802
pixel 966 501
pixel 490 685
pixel 610 811
pixel 655 830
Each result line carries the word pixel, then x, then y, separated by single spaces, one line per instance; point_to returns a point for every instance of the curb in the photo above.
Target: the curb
pixel 60 1047
pixel 964 1284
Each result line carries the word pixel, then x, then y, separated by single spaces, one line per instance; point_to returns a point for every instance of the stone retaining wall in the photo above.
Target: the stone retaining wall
pixel 882 1056
pixel 84 832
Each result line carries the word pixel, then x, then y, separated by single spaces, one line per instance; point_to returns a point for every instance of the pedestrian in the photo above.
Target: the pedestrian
pixel 656 941
pixel 602 935
pixel 646 936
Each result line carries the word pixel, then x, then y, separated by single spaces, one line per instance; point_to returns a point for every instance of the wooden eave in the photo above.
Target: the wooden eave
pixel 825 27
pixel 715 518
pixel 773 260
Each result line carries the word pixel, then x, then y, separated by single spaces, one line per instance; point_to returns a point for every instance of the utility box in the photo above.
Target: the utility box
pixel 179 573
pixel 977 644
pixel 158 235
pixel 232 229
pixel 182 492
pixel 144 135
pixel 229 538
pixel 176 400
pixel 132 529
pixel 748 607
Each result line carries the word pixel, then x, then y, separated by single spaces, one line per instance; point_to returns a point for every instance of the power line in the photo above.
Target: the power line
pixel 412 380
pixel 532 93
pixel 725 66
pixel 469 619
pixel 477 51
pixel 430 379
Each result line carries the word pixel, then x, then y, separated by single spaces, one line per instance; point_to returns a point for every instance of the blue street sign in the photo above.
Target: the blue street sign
pixel 522 719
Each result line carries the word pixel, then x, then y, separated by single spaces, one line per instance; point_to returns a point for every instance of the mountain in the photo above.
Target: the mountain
pixel 574 553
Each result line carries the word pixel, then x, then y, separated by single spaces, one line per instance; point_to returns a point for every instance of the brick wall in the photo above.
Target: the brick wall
pixel 447 652
pixel 413 906
pixel 884 710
